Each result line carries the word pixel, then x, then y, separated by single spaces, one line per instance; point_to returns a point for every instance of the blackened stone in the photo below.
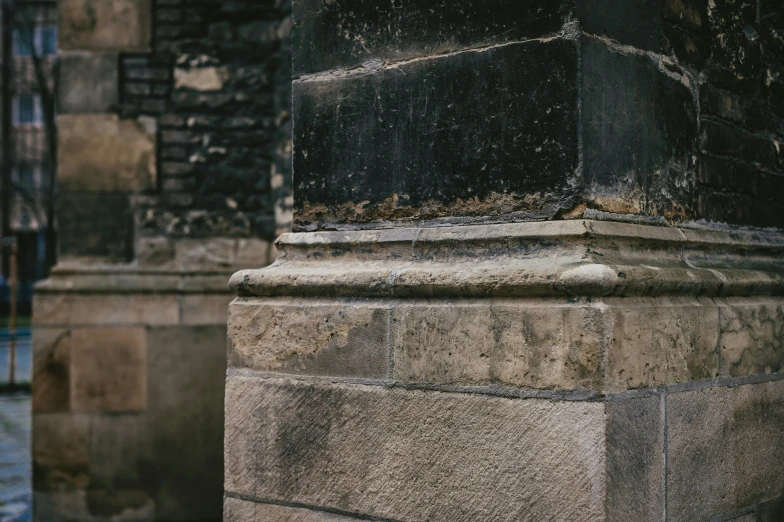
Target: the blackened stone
pixel 345 33
pixel 632 22
pixel 492 124
pixel 639 128
pixel 95 225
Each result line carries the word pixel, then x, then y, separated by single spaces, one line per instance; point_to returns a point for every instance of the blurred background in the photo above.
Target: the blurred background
pixel 145 157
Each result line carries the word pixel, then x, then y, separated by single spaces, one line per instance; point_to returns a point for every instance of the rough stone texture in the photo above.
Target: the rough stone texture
pixel 724 447
pixel 236 510
pixel 473 152
pixel 105 25
pixel 635 460
pixel 534 344
pixel 752 336
pixel 108 369
pixel 326 338
pixel 61 451
pixel 662 341
pixel 99 94
pixel 102 153
pixel 413 455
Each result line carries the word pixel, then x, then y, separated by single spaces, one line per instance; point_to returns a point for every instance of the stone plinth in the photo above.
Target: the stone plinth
pixel 568 370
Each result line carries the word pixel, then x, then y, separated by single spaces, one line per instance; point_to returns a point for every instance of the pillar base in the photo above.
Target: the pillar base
pixel 566 370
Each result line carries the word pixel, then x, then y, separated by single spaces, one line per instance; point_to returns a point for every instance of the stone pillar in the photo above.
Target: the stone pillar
pixel 524 286
pixel 174 144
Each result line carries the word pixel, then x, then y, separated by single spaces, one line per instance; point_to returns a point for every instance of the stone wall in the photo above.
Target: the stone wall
pixel 657 108
pixel 174 154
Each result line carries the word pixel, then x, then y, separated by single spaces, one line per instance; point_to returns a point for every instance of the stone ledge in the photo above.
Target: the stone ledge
pixel 575 258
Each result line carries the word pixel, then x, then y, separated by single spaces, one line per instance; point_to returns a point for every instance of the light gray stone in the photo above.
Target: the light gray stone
pixel 89 82
pixel 66 309
pixel 205 309
pixel 414 455
pixel 635 460
pixel 752 335
pixel 320 337
pixel 200 78
pixel 725 449
pixel 236 510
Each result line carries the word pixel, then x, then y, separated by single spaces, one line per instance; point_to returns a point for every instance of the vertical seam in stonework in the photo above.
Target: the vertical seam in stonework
pixel 719 362
pixel 390 352
pixel 665 443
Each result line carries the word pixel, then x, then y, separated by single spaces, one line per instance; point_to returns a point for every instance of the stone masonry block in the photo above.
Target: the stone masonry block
pixel 61 451
pixel 661 341
pixel 313 337
pixel 414 455
pixel 725 449
pixel 105 25
pixel 236 510
pixel 102 153
pixel 89 82
pixel 108 369
pixel 51 369
pixel 515 343
pixel 105 309
pixel 205 309
pixel 95 226
pixel 119 505
pixel 752 336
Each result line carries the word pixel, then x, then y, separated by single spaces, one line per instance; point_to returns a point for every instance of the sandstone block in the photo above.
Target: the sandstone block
pixel 61 451
pixel 205 253
pixel 661 341
pixel 200 78
pixel 51 369
pixel 108 369
pixel 519 343
pixel 102 153
pixel 414 455
pixel 752 336
pixel 635 460
pixel 102 309
pixel 205 309
pixel 725 449
pixel 89 82
pixel 105 25
pixel 313 337
pixel 236 510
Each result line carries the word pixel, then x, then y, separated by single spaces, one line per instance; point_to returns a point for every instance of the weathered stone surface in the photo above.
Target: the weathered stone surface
pixel 61 451
pixel 108 369
pixel 661 341
pixel 347 33
pixel 724 449
pixel 444 143
pixel 95 226
pixel 752 336
pixel 312 337
pixel 51 369
pixel 120 452
pixel 638 133
pixel 545 344
pixel 254 252
pixel 102 153
pixel 105 309
pixel 186 368
pixel 632 22
pixel 414 455
pixel 89 82
pixel 200 78
pixel 635 460
pixel 205 253
pixel 105 25
pixel 236 510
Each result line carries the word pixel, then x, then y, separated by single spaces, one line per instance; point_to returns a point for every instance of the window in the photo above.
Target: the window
pixel 27 109
pixel 44 38
pixel 22 42
pixel 28 179
pixel 48 40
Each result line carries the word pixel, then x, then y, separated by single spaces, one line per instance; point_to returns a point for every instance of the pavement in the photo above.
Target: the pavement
pixel 15 460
